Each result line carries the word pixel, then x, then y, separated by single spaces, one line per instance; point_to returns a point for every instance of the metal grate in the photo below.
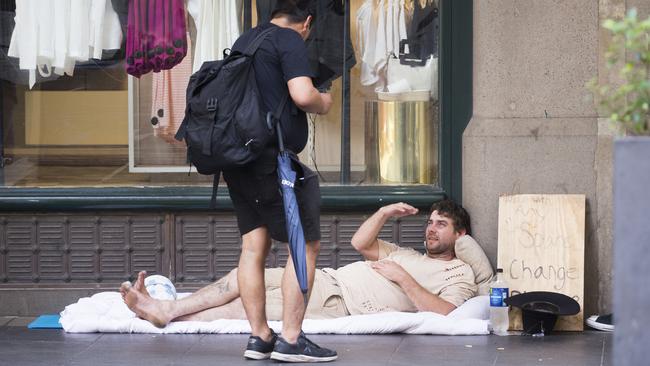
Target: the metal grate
pixel 189 248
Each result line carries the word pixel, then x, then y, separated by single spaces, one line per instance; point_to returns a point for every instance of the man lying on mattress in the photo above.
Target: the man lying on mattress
pixel 392 278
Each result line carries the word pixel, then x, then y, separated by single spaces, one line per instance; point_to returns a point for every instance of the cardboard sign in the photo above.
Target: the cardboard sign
pixel 541 248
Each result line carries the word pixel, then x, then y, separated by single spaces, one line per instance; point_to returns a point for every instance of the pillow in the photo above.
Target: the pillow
pixel 477 307
pixel 468 251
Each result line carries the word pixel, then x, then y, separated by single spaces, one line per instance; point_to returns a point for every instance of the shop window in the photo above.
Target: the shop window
pixel 100 127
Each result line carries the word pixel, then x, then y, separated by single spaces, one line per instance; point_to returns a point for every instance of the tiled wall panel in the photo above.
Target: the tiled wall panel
pixel 51 238
pixel 329 247
pixel 147 245
pixel 83 237
pixel 227 245
pixel 198 260
pixel 3 250
pixel 21 250
pixel 411 231
pixel 44 249
pixel 114 248
pixel 194 239
pixel 189 248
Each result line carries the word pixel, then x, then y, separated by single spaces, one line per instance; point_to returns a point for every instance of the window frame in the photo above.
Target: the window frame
pixel 456 59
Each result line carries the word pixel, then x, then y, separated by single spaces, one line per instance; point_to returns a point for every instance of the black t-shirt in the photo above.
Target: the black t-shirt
pixel 281 57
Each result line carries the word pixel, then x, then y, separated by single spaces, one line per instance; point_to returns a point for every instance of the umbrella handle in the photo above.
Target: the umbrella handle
pixel 269 123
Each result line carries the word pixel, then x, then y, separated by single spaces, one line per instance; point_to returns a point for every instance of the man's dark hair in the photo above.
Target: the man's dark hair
pixel 455 212
pixel 296 11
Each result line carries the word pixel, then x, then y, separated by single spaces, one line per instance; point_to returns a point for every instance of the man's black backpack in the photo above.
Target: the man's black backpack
pixel 225 124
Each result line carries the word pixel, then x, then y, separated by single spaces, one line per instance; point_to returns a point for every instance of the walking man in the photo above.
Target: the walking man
pixel 281 67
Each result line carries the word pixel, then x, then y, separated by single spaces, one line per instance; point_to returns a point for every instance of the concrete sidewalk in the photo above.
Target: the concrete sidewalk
pixel 21 346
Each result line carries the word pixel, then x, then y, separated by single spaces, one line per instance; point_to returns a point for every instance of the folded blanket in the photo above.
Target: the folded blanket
pixel 105 312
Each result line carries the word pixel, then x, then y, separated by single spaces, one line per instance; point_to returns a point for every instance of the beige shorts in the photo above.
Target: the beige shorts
pixel 325 302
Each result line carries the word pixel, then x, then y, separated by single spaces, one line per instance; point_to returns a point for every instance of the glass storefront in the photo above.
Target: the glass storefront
pixel 96 126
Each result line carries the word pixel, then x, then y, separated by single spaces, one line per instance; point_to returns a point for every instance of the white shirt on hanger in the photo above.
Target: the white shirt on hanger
pixel 51 35
pixel 366 39
pixel 105 31
pixel 381 24
pixel 217 27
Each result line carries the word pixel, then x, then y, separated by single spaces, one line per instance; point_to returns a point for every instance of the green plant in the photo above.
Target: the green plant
pixel 628 104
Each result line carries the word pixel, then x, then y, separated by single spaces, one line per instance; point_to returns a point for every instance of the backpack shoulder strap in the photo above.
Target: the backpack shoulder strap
pixel 182 129
pixel 257 41
pixel 215 187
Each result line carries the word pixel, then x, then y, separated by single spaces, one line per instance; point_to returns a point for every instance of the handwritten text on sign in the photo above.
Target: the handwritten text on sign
pixel 541 247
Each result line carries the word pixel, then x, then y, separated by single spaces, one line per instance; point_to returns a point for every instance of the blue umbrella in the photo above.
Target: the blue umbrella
pixel 297 244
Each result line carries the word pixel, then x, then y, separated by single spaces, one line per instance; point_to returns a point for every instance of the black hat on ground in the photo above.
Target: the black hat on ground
pixel 540 309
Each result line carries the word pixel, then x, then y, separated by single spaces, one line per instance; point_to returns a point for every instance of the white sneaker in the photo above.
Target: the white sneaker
pixel 601 322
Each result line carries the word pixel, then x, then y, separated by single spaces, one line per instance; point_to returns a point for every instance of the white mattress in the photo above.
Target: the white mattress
pixel 105 312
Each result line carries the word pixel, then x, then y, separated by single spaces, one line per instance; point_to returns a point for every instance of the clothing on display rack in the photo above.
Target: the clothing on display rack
pixel 52 35
pixel 7 14
pixel 388 29
pixel 168 99
pixel 121 7
pixel 326 44
pixel 9 69
pixel 422 34
pixel 381 24
pixel 155 38
pixel 105 31
pixel 218 25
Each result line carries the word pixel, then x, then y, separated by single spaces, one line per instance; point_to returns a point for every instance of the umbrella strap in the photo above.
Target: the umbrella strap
pixel 276 119
pixel 280 107
pixel 215 186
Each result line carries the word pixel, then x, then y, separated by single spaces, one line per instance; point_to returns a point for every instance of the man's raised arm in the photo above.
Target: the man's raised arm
pixel 365 239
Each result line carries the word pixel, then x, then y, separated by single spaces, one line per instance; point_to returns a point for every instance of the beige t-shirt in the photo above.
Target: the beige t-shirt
pixel 366 291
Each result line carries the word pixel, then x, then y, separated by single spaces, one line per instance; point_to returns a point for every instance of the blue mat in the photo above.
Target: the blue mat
pixel 48 321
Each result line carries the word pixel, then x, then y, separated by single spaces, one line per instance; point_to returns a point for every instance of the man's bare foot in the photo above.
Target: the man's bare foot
pixel 124 289
pixel 142 304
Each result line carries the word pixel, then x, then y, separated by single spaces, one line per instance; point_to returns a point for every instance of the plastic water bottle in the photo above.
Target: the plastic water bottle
pixel 499 291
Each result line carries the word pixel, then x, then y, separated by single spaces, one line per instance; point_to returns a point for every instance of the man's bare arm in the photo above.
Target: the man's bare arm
pixel 365 239
pixel 308 98
pixel 421 297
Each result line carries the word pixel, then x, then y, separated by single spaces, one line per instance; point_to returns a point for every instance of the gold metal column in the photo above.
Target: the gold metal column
pixel 406 133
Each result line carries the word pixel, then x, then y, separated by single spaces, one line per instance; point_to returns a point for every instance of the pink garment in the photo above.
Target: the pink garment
pixel 155 36
pixel 168 98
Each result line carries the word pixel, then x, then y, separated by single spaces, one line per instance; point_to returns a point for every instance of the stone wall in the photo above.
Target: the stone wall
pixel 535 128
